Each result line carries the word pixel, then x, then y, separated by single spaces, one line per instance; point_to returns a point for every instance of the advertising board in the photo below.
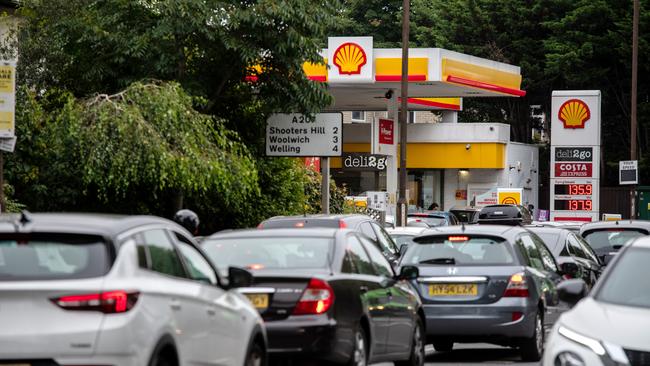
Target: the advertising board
pixel 575 155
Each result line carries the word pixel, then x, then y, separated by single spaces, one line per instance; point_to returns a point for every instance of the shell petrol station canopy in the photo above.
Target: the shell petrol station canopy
pixel 358 76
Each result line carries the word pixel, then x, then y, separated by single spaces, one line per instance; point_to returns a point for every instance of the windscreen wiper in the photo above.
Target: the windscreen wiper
pixel 439 261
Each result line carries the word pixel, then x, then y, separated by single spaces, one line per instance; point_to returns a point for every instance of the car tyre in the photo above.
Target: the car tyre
pixel 163 358
pixel 360 352
pixel 443 346
pixel 256 356
pixel 417 347
pixel 532 348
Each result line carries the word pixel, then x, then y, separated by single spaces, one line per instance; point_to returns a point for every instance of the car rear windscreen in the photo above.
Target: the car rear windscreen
pixel 459 250
pixel 432 221
pixel 611 239
pixel 25 257
pixel 270 252
pixel 300 223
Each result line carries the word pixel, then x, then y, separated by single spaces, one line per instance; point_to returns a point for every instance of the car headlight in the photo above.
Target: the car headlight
pixel 590 343
pixel 612 354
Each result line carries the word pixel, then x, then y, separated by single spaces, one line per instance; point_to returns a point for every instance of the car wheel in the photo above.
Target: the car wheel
pixel 443 346
pixel 417 348
pixel 162 359
pixel 256 356
pixel 533 347
pixel 360 353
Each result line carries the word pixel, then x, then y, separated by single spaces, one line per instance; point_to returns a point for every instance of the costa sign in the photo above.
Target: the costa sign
pixel 578 170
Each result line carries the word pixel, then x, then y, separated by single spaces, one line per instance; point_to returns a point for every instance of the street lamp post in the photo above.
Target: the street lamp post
pixel 403 114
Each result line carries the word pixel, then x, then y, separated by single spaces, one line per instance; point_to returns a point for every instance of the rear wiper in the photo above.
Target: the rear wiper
pixel 439 261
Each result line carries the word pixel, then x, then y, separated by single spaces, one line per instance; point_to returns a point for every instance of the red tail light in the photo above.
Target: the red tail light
pixel 260 226
pixel 317 298
pixel 110 302
pixel 517 287
pixel 342 224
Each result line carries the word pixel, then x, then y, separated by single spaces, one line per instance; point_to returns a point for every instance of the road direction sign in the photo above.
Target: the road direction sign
pixel 295 134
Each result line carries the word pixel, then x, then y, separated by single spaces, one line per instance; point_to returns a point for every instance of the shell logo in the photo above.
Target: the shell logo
pixel 574 113
pixel 350 58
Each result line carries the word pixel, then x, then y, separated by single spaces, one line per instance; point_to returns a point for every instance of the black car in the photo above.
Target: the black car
pixel 326 294
pixel 360 223
pixel 606 238
pixel 505 215
pixel 575 256
pixel 486 283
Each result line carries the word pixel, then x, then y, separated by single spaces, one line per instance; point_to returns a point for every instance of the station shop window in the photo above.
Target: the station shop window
pixel 358 116
pixel 425 185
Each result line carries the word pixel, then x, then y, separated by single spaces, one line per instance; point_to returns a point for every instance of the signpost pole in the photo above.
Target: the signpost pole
pixel 2 182
pixel 403 113
pixel 635 56
pixel 325 185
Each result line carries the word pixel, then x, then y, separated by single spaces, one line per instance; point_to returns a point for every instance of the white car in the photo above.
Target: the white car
pixel 404 235
pixel 118 290
pixel 611 326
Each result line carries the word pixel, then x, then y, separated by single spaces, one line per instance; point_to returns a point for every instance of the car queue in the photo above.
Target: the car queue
pixel 337 288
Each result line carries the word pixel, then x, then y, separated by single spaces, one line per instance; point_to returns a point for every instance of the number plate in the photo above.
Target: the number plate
pixel 259 301
pixel 453 289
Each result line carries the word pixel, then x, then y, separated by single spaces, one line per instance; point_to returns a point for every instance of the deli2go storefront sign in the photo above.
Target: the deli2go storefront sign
pixel 364 162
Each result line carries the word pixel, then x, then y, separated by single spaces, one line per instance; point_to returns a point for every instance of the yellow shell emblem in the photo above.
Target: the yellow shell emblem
pixel 350 58
pixel 574 113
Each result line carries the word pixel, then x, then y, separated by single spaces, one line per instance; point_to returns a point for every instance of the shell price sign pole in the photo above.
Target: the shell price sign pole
pixel 575 155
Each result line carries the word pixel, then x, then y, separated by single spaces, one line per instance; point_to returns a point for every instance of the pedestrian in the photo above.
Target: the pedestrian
pixel 189 220
pixel 434 207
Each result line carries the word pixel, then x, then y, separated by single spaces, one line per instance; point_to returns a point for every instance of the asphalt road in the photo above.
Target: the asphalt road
pixel 474 354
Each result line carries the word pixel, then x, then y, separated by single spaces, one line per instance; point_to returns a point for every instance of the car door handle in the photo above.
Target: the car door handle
pixel 363 289
pixel 211 311
pixel 175 305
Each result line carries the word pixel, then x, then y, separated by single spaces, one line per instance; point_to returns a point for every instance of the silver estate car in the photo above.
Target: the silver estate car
pixel 486 283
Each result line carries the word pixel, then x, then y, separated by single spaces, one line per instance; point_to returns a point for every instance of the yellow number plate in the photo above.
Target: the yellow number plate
pixel 453 289
pixel 259 301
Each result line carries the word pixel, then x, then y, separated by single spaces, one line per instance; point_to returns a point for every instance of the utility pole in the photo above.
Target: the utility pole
pixel 633 128
pixel 402 203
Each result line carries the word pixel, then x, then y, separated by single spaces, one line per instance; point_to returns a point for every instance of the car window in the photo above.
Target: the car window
pixel 380 262
pixel 197 266
pixel 586 248
pixel 459 250
pixel 49 256
pixel 575 248
pixel 547 257
pixel 604 240
pixel 625 284
pixel 164 258
pixel 532 252
pixel 359 262
pixel 387 244
pixel 366 228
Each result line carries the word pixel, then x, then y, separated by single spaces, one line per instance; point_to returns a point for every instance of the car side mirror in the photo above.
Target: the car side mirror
pixel 572 291
pixel 570 269
pixel 408 273
pixel 402 249
pixel 239 277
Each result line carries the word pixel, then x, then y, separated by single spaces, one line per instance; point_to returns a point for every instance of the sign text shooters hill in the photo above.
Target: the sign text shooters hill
pixel 304 135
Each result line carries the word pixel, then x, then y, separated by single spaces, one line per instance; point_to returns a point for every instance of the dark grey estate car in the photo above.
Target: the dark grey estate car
pixel 486 283
pixel 606 238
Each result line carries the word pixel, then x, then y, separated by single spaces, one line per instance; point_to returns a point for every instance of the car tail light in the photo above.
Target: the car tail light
pixel 458 238
pixel 317 298
pixel 260 226
pixel 516 316
pixel 342 224
pixel 517 287
pixel 110 302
